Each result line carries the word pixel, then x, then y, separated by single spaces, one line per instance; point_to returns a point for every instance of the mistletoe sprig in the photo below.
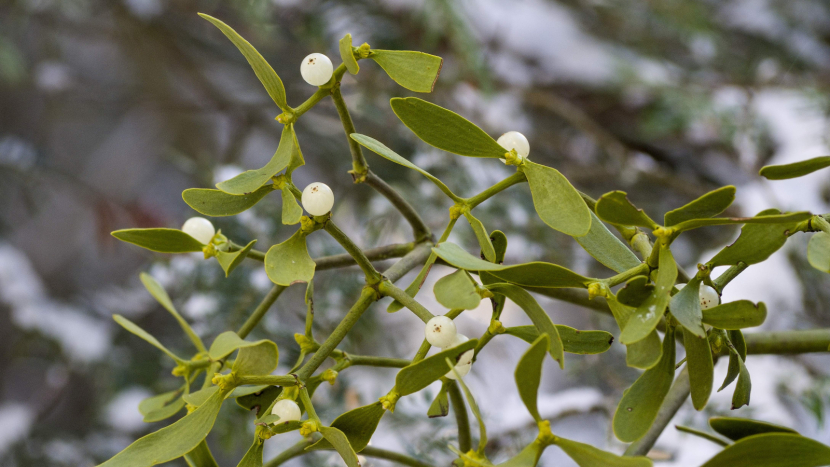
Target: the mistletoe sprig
pixel 647 295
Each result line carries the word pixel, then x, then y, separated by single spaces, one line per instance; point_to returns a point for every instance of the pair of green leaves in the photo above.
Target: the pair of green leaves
pixel 416 71
pixel 217 203
pixel 528 377
pixel 616 208
pixel 645 318
pixel 254 358
pixel 164 240
pixel 288 156
pixel 556 201
pixel 289 262
pixel 172 441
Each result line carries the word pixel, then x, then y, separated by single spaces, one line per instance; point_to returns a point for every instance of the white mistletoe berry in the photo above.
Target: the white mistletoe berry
pixel 199 228
pixel 316 69
pixel 515 140
pixel 287 410
pixel 708 297
pixel 462 371
pixel 440 331
pixel 318 199
pixel 465 361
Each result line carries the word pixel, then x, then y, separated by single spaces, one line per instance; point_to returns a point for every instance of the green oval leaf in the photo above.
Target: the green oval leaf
pixel 161 406
pixel 557 202
pixel 499 240
pixel 260 358
pixel 217 203
pixel 743 387
pixel 640 403
pixel 606 248
pixel 528 374
pixel 818 252
pixel 614 207
pixel 228 342
pixel 289 262
pixel 380 149
pixel 416 71
pixel 739 314
pixel 253 458
pixel 252 180
pixel 709 205
pixel 536 274
pixel 536 314
pixel 346 54
pixel 588 456
pixel 769 219
pixel 341 445
pixel 573 340
pixel 635 291
pixel 756 242
pixel 440 406
pixel 267 76
pixel 160 240
pixel 229 260
pixel 487 249
pixel 644 353
pixel 685 307
pixel 256 397
pixel 158 292
pixel 357 424
pixel 172 441
pixel 457 290
pixel 135 329
pixel 421 374
pixel 739 428
pixel 736 338
pixel 796 169
pixel 773 450
pixel 445 129
pixel 649 313
pixel 701 367
pixel 291 210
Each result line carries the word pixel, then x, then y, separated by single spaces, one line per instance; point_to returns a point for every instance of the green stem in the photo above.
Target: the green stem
pixel 419 228
pixel 382 362
pixel 359 166
pixel 788 342
pixel 367 297
pixel 408 262
pixel 459 407
pixel 321 92
pixel 260 310
pixel 640 270
pixel 390 290
pixel 729 274
pixel 371 451
pixel 514 179
pixel 395 250
pixel 312 414
pixel 372 275
pixel 273 380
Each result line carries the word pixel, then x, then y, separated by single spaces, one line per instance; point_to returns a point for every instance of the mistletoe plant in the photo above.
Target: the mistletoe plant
pixel 644 294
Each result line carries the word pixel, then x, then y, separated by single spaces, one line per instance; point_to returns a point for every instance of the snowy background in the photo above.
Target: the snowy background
pixel 109 109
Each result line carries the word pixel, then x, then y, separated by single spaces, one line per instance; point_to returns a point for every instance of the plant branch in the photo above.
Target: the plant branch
pixel 260 310
pixel 273 380
pixel 788 342
pixel 381 362
pixel 419 228
pixel 359 166
pixel 462 419
pixel 678 393
pixel 390 290
pixel 371 451
pixel 296 450
pixel 394 250
pixel 372 275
